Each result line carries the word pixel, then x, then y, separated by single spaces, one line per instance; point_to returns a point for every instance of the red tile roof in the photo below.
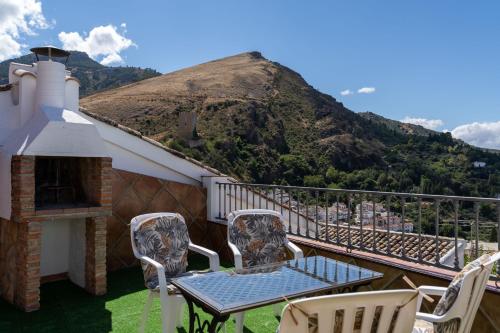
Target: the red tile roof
pixel 393 240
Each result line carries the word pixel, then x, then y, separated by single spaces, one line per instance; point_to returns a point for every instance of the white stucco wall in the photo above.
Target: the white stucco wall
pixel 63 249
pixel 131 153
pixel 71 101
pixel 54 256
pixel 9 115
pixel 76 264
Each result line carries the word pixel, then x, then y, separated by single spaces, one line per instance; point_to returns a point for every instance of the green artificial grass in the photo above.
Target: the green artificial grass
pixel 65 307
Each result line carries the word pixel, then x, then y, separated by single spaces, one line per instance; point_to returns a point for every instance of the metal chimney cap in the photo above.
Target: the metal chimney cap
pixel 50 51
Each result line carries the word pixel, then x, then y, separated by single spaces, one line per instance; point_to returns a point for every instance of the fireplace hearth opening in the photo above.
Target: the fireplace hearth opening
pixel 64 182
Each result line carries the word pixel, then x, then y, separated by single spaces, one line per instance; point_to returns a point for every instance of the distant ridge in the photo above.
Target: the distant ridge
pixel 403 128
pixel 262 122
pixel 93 76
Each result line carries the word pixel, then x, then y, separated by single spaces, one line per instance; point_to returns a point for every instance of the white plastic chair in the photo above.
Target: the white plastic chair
pixel 238 248
pixel 171 305
pixel 467 302
pixel 318 314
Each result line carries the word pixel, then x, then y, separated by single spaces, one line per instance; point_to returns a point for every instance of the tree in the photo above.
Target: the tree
pixel 314 181
pixel 293 168
pixel 333 175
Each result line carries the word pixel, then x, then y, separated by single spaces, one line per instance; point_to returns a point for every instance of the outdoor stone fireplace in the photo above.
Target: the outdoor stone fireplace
pixel 55 239
pixel 55 181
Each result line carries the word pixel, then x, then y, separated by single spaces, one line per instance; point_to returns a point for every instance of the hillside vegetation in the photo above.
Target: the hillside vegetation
pixel 92 75
pixel 261 122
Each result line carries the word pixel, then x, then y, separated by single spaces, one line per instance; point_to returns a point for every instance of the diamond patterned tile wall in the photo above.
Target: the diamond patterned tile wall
pixel 135 194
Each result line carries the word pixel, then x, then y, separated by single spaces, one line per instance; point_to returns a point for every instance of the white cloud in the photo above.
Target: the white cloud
pixel 113 58
pixel 102 42
pixel 427 123
pixel 366 90
pixel 486 135
pixel 346 92
pixel 18 17
pixel 8 47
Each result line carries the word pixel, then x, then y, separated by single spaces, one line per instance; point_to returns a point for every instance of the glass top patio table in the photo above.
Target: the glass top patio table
pixel 226 292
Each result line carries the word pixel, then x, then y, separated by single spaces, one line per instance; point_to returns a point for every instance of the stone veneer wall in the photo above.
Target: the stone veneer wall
pixel 135 194
pixel 20 238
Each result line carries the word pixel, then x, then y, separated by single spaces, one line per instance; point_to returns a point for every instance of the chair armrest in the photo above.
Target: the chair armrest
pixel 432 290
pixel 212 256
pixel 162 280
pixel 431 317
pixel 238 260
pixel 428 290
pixel 297 252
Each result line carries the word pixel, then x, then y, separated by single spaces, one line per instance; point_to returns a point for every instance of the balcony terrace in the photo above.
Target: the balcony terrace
pixel 315 224
pixel 448 232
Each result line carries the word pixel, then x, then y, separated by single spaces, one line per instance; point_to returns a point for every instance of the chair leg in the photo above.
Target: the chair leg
pixel 180 312
pixel 145 312
pixel 239 320
pixel 168 313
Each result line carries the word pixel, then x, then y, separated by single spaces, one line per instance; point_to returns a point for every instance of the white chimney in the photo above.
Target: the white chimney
pixel 50 85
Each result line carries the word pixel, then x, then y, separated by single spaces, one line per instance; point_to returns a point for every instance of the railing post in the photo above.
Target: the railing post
pixel 316 215
pixel 436 226
pixel 298 213
pixel 374 234
pixel 260 197
pixel 349 221
pixel 246 191
pixel 337 221
pixel 476 241
pixel 274 198
pixel 230 202
pixel 225 199
pixel 235 197
pixel 289 211
pixel 241 197
pixel 388 248
pixel 281 201
pixel 327 230
pixel 267 197
pixel 253 197
pixel 498 236
pixel 456 204
pixel 307 213
pixel 419 203
pixel 403 215
pixel 361 223
pixel 219 187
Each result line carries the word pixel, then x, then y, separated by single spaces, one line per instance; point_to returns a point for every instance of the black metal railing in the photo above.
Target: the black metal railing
pixel 440 230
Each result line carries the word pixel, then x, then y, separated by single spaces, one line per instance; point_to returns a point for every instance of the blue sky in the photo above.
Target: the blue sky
pixel 427 60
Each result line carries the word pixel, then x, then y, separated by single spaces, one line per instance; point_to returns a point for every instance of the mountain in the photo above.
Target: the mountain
pixel 402 128
pixel 262 122
pixel 92 75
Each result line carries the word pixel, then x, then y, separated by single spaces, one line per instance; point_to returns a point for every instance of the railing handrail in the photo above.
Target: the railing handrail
pixel 398 194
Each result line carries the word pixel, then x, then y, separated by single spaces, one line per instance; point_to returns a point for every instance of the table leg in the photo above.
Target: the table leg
pixel 212 326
